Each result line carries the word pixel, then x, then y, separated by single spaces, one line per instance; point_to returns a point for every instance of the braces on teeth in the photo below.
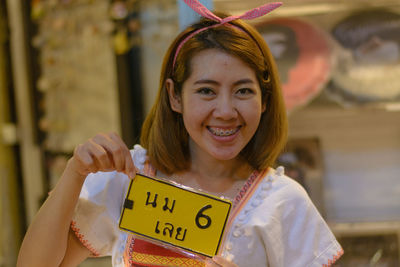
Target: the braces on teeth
pixel 221 132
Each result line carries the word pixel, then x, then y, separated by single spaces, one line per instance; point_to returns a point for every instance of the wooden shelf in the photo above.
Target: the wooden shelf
pixel 365 228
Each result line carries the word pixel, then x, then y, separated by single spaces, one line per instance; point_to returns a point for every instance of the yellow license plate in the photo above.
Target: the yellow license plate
pixel 165 212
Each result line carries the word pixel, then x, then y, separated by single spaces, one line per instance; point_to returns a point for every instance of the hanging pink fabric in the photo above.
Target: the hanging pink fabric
pixel 203 11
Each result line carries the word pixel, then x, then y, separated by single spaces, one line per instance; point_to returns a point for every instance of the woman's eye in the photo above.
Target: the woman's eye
pixel 205 91
pixel 245 91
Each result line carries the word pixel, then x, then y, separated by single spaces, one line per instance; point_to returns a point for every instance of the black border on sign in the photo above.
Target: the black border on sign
pixel 177 186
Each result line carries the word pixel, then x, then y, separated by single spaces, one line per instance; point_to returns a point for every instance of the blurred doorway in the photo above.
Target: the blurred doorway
pixel 11 203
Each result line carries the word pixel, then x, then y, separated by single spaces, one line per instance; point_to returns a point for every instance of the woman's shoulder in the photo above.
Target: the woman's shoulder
pixel 284 185
pixel 297 222
pixel 282 194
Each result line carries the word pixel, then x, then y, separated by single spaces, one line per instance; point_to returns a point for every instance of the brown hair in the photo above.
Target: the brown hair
pixel 163 132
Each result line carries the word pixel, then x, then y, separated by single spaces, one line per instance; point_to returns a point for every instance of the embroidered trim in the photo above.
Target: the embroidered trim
pixel 334 259
pixel 245 194
pixel 142 258
pixel 241 199
pixel 128 252
pixel 245 188
pixel 82 239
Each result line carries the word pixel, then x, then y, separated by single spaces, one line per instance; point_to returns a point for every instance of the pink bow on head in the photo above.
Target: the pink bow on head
pixel 251 14
pixel 203 11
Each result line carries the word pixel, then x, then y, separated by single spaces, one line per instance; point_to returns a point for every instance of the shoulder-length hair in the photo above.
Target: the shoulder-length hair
pixel 163 132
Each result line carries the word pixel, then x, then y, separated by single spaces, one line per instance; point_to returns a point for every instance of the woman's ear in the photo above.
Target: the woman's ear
pixel 174 99
pixel 263 107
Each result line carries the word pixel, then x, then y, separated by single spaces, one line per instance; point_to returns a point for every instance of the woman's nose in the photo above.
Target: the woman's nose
pixel 225 108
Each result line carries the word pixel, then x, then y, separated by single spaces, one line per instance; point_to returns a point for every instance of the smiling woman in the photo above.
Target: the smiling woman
pixel 217 125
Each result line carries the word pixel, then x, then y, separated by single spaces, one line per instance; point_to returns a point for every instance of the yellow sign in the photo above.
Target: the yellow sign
pixel 165 212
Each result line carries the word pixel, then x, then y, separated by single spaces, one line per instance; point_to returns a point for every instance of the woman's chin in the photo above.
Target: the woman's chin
pixel 224 155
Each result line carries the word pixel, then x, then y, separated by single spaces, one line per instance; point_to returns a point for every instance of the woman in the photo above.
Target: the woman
pixel 218 124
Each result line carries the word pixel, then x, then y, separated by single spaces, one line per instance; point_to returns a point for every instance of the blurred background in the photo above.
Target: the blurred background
pixel 72 68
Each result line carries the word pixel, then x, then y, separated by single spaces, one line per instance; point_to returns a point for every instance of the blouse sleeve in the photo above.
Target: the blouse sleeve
pixel 303 237
pixel 95 220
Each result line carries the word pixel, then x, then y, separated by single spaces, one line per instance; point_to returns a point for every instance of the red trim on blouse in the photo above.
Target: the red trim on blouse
pixel 82 239
pixel 245 194
pixel 334 259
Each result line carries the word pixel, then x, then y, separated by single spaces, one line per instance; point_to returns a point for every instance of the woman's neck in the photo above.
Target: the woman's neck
pixel 211 169
pixel 208 167
pixel 215 176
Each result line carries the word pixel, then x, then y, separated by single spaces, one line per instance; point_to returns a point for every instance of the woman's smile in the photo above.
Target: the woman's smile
pixel 223 132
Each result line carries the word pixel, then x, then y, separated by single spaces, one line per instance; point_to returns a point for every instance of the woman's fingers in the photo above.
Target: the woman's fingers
pixel 104 152
pixel 101 157
pixel 114 151
pixel 130 168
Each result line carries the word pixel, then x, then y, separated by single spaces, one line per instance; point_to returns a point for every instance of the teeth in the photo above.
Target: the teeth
pixel 223 132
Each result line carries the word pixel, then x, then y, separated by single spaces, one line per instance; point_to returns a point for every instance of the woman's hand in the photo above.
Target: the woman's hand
pixel 218 261
pixel 103 152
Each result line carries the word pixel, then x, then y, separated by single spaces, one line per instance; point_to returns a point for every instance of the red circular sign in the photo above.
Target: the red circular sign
pixel 303 55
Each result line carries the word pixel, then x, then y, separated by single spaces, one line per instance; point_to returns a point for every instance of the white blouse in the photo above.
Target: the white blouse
pixel 274 224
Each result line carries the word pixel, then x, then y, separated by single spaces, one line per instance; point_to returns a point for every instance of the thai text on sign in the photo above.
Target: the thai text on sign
pixel 175 215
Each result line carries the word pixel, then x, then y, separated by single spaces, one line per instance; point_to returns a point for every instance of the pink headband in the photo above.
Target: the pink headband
pixel 203 11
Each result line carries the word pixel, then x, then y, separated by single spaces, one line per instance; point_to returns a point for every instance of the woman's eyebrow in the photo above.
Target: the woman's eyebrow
pixel 206 81
pixel 243 81
pixel 239 82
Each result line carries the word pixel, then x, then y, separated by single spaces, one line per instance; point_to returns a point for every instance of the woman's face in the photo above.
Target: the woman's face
pixel 220 104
